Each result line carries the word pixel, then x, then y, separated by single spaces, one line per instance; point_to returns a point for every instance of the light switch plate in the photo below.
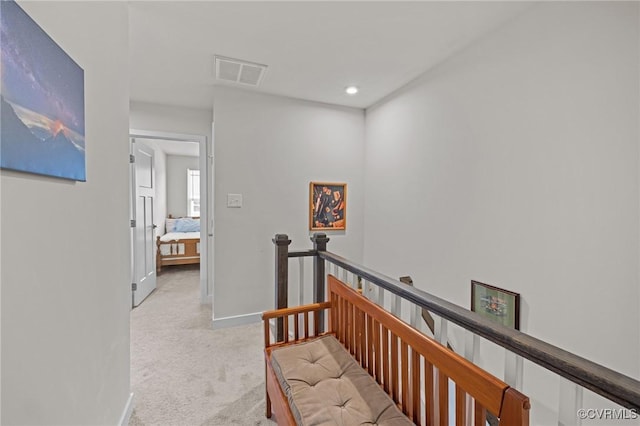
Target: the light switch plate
pixel 234 200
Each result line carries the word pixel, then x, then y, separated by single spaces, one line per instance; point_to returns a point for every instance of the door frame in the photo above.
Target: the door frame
pixel 206 231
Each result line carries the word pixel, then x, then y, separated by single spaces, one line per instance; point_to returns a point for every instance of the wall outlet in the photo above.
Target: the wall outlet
pixel 234 200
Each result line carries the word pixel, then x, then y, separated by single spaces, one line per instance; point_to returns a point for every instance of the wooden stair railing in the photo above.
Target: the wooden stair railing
pixel 612 385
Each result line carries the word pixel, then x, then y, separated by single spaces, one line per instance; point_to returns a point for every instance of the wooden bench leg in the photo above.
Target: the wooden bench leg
pixel 268 402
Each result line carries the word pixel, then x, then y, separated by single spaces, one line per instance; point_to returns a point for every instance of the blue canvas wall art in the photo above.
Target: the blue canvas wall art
pixel 42 127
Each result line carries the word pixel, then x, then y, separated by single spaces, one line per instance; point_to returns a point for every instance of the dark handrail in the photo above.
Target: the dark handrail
pixel 610 384
pixel 303 253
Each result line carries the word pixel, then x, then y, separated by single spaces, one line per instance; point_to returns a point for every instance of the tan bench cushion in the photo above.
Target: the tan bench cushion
pixel 325 386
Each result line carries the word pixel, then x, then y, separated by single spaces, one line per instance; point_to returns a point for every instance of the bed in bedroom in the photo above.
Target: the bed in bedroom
pixel 180 245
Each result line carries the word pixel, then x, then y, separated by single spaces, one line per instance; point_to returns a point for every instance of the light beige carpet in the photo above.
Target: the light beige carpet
pixel 185 373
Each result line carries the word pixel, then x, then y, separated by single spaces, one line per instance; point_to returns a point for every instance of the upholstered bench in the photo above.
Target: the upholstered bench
pixel 371 368
pixel 324 385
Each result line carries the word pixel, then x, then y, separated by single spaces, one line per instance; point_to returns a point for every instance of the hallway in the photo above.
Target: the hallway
pixel 185 373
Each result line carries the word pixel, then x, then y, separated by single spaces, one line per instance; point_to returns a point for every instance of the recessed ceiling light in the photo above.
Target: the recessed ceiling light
pixel 351 90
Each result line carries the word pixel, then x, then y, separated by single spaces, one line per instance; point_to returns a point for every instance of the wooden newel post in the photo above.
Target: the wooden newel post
pixel 282 242
pixel 320 241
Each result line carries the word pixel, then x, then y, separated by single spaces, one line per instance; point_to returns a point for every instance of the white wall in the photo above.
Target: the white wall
pixel 65 273
pixel 177 166
pixel 268 149
pixel 515 163
pixel 172 119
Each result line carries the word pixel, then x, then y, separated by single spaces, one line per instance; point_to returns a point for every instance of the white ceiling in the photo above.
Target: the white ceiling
pixel 313 49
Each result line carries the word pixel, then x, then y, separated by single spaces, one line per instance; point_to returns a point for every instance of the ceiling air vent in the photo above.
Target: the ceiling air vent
pixel 239 71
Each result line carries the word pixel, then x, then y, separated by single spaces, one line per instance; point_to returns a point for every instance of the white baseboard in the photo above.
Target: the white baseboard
pixel 226 322
pixel 128 410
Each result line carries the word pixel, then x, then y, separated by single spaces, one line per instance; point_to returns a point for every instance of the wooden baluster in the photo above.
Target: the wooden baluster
pixel 320 241
pixel 385 360
pixel 429 394
pixel 286 328
pixel 341 321
pixel 361 330
pixel 335 314
pixel 332 316
pixel 365 343
pixel 480 415
pixel 461 406
pixel 363 340
pixel 415 386
pixel 347 318
pixel 395 392
pixel 376 351
pixel 316 322
pixel 443 398
pixel 404 366
pixel 306 325
pixel 358 335
pixel 345 309
pixel 370 360
pixel 347 325
pixel 281 242
pixel 354 330
pixel 301 282
pixel 295 326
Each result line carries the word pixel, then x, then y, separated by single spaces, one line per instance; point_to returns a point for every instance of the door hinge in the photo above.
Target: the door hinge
pixel 134 286
pixel 132 158
pixel 133 223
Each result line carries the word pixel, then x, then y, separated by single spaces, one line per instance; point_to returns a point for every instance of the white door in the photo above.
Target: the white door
pixel 144 247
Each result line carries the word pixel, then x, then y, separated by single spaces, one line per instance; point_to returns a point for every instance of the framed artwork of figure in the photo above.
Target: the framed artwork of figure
pixel 327 206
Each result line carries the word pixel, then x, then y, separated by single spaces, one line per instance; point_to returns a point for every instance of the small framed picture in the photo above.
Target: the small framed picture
pixel 327 206
pixel 497 304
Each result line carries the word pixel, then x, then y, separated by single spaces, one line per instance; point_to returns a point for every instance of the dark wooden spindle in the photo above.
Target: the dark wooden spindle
pixel 282 242
pixel 320 241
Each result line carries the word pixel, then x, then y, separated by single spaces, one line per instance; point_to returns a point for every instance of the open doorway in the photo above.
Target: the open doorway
pixel 169 173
